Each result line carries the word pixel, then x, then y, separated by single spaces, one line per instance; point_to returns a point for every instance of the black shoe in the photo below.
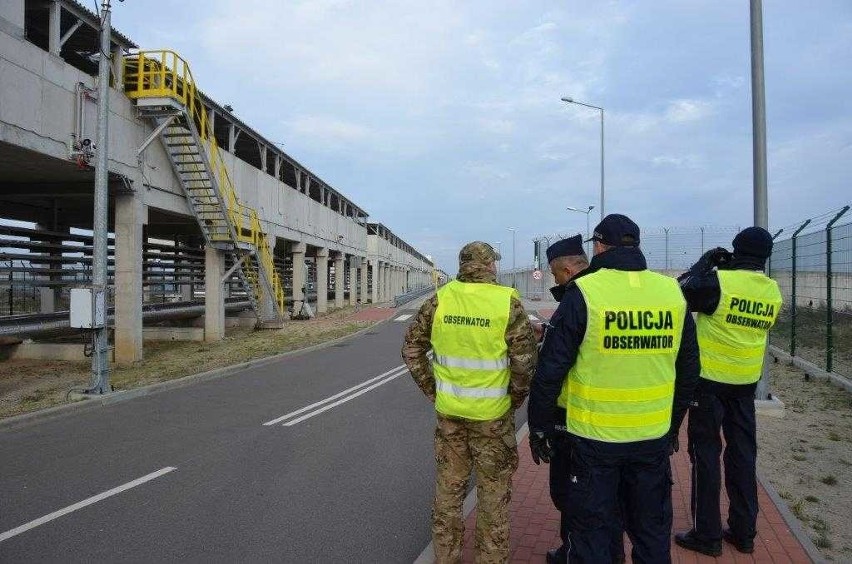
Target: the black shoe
pixel 743 545
pixel 556 556
pixel 688 541
pixel 619 558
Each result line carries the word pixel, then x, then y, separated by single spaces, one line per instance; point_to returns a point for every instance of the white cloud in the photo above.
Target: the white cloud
pixel 684 111
pixel 328 129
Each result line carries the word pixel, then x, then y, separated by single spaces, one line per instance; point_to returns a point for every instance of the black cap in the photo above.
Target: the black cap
pixel 753 242
pixel 572 246
pixel 616 230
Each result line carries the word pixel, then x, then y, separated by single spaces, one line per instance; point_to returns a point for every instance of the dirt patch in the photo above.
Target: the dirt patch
pixel 27 385
pixel 807 457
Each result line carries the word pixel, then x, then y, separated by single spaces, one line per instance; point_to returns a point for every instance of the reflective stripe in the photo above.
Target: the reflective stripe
pixel 650 393
pixel 472 363
pixel 623 420
pixel 460 391
pixel 707 344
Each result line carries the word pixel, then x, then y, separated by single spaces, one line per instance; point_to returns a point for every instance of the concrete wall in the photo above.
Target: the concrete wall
pixel 12 11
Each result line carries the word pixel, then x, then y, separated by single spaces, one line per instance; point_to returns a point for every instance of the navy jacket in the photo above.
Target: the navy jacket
pixel 568 328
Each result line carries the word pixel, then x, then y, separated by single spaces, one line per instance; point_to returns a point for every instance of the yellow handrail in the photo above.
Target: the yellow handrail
pixel 164 74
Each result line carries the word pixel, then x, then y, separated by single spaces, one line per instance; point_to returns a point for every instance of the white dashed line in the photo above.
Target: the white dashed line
pixel 403 317
pixel 532 317
pixel 86 502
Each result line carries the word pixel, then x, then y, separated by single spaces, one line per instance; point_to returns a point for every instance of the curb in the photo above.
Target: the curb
pixel 792 522
pixel 428 554
pixel 810 368
pixel 26 419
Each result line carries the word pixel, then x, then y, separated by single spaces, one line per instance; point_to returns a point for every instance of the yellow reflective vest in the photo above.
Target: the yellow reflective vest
pixel 733 339
pixel 621 388
pixel 471 363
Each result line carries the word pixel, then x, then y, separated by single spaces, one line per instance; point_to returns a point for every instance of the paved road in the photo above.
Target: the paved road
pixel 193 474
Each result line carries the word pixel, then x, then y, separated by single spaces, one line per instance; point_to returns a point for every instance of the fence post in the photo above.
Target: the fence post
pixel 829 306
pixel 793 291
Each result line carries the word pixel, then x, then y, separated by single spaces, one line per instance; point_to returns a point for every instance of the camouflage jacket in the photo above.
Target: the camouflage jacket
pixel 520 340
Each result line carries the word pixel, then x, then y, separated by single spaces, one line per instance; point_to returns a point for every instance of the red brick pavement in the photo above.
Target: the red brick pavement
pixel 374 314
pixel 535 522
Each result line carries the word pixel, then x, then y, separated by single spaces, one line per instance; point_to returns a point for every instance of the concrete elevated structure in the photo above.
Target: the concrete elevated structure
pixel 321 241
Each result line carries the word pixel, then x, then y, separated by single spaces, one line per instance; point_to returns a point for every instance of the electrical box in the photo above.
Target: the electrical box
pixel 88 308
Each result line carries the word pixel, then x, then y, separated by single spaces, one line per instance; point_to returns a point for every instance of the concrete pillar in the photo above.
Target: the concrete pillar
pixel 298 251
pixel 53 28
pixel 268 307
pixel 322 280
pixel 214 295
pixel 129 218
pixel 365 265
pixel 386 283
pixel 374 267
pixel 338 279
pixel 47 301
pixel 353 280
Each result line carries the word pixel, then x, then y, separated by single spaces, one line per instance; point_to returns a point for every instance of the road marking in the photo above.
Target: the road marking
pixel 332 398
pixel 532 317
pixel 81 504
pixel 404 317
pixel 344 400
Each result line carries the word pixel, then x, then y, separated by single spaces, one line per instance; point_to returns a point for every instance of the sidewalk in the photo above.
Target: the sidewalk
pixel 535 522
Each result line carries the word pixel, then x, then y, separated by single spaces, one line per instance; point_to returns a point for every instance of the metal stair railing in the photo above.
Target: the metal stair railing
pixel 164 75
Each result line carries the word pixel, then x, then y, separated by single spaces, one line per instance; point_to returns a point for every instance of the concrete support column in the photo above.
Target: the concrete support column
pixel 322 280
pixel 268 307
pixel 298 251
pixel 353 280
pixel 129 218
pixel 365 265
pixel 54 31
pixel 374 267
pixel 386 283
pixel 214 294
pixel 339 259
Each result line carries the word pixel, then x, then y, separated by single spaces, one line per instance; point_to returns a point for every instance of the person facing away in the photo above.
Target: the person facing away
pixel 624 341
pixel 484 356
pixel 567 261
pixel 737 304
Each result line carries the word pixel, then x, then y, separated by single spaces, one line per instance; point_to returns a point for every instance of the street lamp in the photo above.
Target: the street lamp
pixel 572 101
pixel 512 229
pixel 587 212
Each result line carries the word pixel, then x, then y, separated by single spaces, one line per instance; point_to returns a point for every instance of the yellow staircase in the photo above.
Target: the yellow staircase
pixel 165 92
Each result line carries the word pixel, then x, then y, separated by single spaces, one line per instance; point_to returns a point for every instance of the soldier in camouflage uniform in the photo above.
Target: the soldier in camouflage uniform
pixel 483 440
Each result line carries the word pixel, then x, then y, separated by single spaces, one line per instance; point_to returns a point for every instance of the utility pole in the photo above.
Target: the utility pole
pixel 758 126
pixel 100 362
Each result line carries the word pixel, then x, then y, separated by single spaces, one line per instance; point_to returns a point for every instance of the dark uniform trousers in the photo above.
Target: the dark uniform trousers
pixel 734 415
pixel 560 474
pixel 605 479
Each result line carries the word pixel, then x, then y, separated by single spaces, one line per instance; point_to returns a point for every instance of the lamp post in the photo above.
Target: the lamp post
pixel 512 229
pixel 572 101
pixel 587 212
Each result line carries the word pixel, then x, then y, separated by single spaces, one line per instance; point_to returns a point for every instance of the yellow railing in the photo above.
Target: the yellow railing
pixel 164 74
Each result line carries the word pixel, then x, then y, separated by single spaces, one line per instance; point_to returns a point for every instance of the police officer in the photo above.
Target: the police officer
pixel 484 357
pixel 737 304
pixel 567 261
pixel 625 342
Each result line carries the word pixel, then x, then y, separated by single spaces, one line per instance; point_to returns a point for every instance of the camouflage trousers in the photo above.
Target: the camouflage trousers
pixel 489 448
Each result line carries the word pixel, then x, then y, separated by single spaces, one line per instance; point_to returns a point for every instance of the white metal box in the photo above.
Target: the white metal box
pixel 88 308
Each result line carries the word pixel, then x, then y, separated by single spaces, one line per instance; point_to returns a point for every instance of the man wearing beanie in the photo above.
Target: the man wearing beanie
pixel 484 356
pixel 737 304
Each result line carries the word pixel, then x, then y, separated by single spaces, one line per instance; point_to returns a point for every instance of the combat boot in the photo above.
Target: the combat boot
pixel 689 541
pixel 556 556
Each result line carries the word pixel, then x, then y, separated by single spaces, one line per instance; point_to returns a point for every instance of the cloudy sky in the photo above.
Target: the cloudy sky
pixel 443 119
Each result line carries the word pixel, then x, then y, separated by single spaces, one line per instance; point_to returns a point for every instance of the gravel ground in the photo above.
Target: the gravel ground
pixel 27 385
pixel 807 457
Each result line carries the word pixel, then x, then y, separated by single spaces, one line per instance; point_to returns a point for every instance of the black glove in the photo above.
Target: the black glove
pixel 712 258
pixel 540 447
pixel 674 444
